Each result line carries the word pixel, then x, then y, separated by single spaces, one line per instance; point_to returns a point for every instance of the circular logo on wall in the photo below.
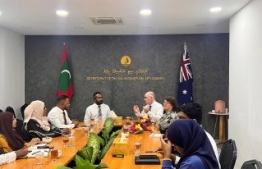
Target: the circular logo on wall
pixel 125 60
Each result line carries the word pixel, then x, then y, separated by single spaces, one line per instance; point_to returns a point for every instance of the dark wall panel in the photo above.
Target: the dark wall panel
pixel 160 55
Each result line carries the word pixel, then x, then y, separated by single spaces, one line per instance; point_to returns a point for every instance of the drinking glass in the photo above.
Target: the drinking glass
pixel 86 131
pixel 128 120
pixel 153 127
pixel 39 158
pixel 137 148
pixel 92 125
pixel 65 140
pixel 71 142
pixel 54 155
pixel 126 130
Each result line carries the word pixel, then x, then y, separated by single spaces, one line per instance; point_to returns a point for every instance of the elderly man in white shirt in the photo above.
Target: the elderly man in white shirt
pixel 152 108
pixel 58 115
pixel 98 110
pixel 12 156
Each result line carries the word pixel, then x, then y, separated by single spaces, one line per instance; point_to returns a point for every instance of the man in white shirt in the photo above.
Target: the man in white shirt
pixel 152 108
pixel 98 110
pixel 58 115
pixel 12 156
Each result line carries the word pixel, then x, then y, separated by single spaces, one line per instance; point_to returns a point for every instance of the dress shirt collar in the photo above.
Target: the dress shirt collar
pixel 153 104
pixel 60 110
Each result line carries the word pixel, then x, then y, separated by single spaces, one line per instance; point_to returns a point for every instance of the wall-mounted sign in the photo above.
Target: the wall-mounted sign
pixel 125 61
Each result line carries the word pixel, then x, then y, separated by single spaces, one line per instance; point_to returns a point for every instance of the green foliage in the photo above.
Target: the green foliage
pixel 93 141
pixel 105 135
pixel 85 164
pixel 63 167
pixel 105 149
pixel 114 134
pixel 86 153
pixel 102 141
pixel 108 125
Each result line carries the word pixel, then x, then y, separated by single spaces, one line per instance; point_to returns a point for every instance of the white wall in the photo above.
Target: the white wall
pixel 12 70
pixel 245 82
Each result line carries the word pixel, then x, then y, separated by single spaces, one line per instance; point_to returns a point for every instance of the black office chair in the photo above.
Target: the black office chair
pixel 252 164
pixel 228 155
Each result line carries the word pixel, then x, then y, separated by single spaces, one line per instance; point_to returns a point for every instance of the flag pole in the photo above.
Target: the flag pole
pixel 64 43
pixel 185 47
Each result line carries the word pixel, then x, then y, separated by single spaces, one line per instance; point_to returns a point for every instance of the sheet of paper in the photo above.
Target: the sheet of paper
pixel 158 135
pixel 32 153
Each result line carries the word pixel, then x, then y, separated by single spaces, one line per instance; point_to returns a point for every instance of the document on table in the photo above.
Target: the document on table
pixel 158 135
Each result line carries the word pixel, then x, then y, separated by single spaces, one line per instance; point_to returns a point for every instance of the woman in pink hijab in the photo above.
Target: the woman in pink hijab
pixel 36 123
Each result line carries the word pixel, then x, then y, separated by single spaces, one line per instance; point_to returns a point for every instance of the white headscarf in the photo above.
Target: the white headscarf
pixel 35 110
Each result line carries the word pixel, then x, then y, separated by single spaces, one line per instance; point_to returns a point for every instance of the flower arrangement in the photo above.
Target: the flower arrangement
pixel 140 125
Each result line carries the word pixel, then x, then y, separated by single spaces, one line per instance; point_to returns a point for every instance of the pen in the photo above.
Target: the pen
pixel 35 152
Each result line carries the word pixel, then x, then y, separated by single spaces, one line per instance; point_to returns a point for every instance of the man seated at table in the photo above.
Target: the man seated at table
pixel 12 156
pixel 58 115
pixel 153 109
pixel 194 111
pixel 98 110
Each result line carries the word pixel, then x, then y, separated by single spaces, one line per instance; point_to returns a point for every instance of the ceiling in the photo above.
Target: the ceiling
pixel 38 17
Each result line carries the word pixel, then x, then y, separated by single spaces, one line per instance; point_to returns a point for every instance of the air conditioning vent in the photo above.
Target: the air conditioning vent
pixel 107 21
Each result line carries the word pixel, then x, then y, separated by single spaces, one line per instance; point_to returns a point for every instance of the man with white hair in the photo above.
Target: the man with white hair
pixel 153 109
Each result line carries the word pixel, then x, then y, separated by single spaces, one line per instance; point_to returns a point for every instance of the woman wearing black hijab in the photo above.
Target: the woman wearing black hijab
pixel 9 138
pixel 191 142
pixel 18 121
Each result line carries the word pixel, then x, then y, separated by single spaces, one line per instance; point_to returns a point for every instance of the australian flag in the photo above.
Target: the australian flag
pixel 185 86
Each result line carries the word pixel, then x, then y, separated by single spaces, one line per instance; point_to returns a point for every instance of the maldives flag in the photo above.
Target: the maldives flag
pixel 65 84
pixel 185 86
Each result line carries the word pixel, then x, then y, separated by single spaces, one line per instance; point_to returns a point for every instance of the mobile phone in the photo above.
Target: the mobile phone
pixel 42 147
pixel 45 147
pixel 148 156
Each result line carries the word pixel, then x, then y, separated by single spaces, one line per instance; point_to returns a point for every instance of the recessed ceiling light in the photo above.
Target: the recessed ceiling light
pixel 62 13
pixel 0 13
pixel 145 12
pixel 215 9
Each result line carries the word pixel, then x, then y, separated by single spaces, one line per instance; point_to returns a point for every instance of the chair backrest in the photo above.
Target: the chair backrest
pixel 228 155
pixel 252 164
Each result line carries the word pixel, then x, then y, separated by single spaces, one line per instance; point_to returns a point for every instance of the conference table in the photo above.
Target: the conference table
pixel 148 143
pixel 128 161
pixel 68 153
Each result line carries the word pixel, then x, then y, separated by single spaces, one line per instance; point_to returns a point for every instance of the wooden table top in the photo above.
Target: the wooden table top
pixel 68 153
pixel 128 162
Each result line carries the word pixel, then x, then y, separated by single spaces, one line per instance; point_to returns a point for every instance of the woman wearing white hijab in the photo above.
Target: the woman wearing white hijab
pixel 36 122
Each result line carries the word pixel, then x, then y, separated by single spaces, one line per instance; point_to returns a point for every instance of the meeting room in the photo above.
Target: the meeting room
pixel 130 84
